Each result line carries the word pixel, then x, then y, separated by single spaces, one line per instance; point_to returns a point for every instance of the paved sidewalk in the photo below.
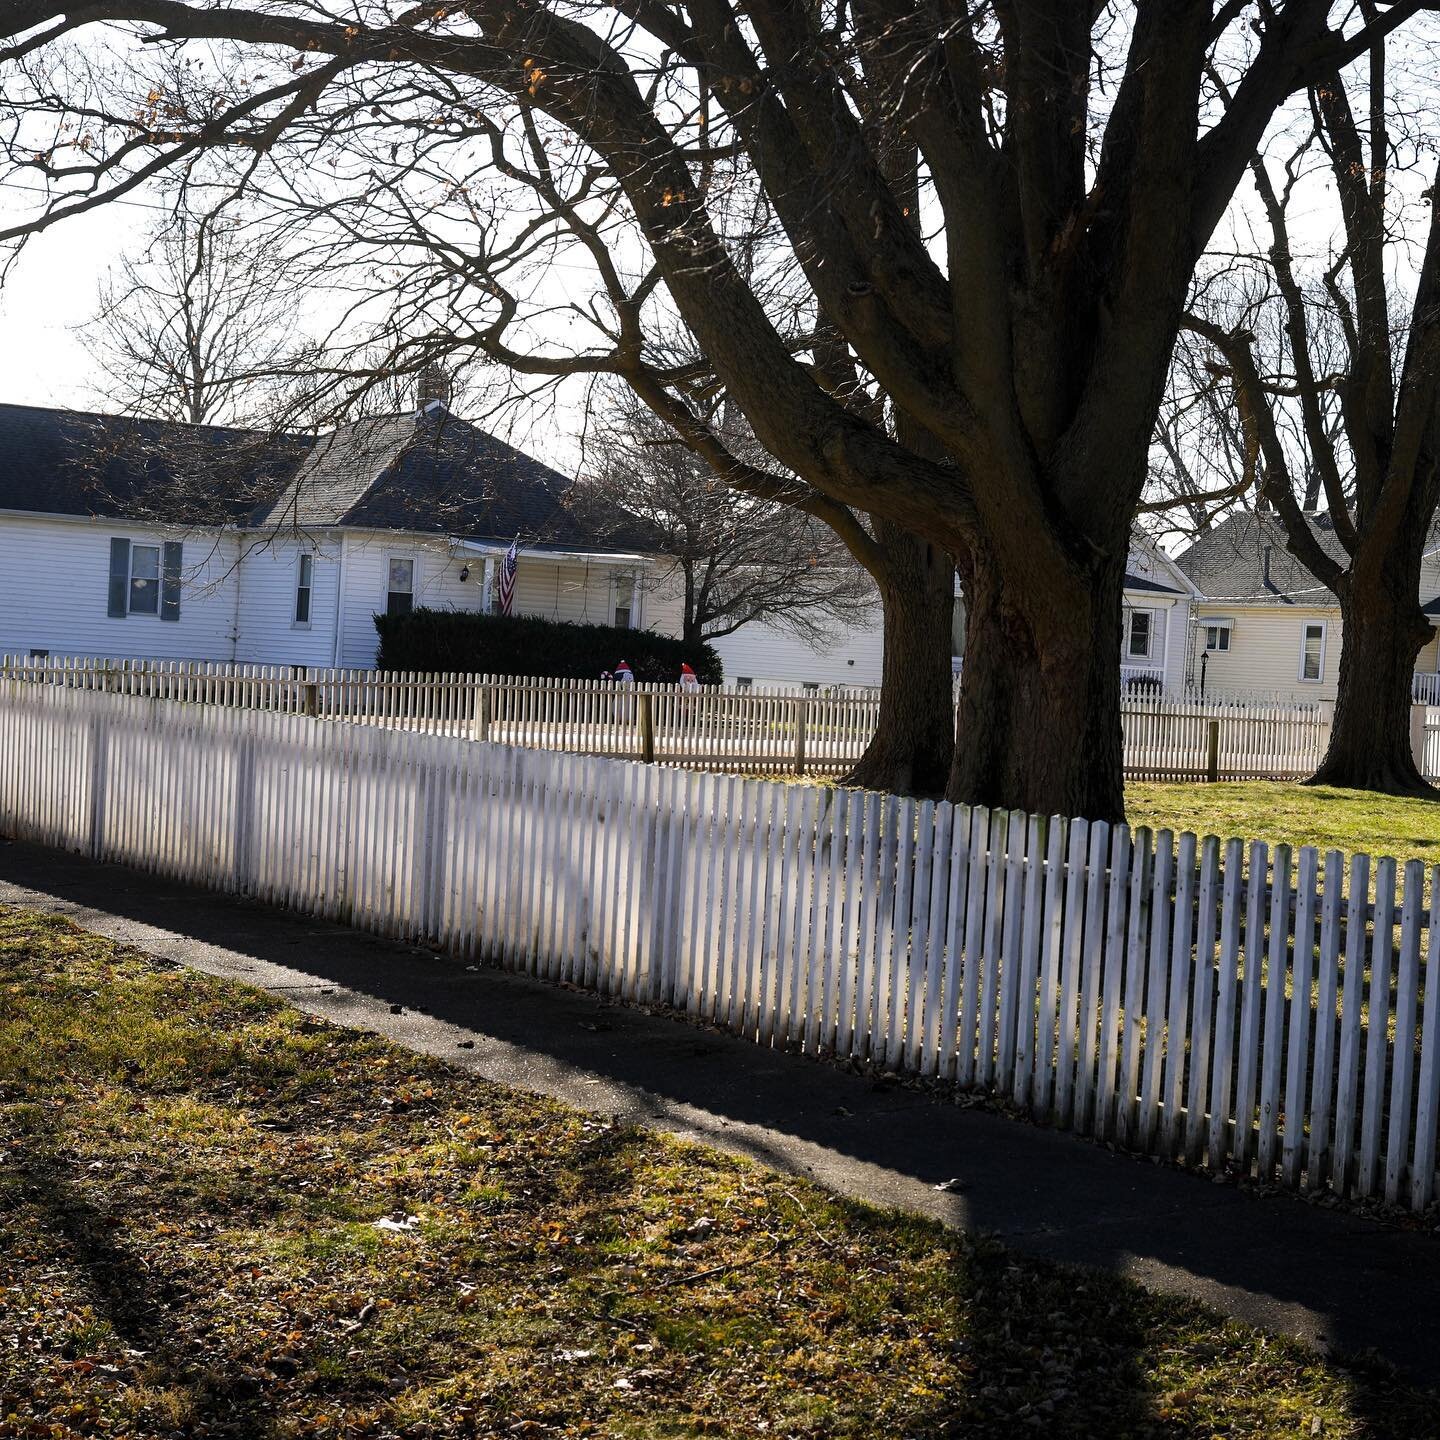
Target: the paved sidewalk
pixel 1326 1277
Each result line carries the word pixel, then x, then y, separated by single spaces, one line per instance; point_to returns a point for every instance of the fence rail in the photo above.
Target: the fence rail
pixel 758 730
pixel 1228 1004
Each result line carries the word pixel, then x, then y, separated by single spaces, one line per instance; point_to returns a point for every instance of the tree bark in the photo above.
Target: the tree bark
pixel 910 752
pixel 1038 719
pixel 1383 631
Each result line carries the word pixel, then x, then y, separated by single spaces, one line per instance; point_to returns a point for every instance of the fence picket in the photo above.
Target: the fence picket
pixel 1427 1095
pixel 1402 1068
pixel 1177 1015
pixel 1159 979
pixel 1032 933
pixel 1202 1032
pixel 1347 1082
pixel 1377 1024
pixel 1276 970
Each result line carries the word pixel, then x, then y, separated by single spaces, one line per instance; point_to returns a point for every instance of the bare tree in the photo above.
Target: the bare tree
pixel 1340 403
pixel 201 326
pixel 1000 317
pixel 741 560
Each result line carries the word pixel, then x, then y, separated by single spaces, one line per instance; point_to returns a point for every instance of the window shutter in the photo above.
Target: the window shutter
pixel 170 580
pixel 119 577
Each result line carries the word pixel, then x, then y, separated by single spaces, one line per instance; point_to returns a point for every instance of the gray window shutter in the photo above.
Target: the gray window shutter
pixel 170 580
pixel 119 577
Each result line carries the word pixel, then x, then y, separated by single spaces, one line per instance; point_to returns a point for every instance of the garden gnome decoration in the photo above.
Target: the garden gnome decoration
pixel 624 674
pixel 688 679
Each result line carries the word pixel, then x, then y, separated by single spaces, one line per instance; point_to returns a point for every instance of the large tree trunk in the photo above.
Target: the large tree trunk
pixel 911 749
pixel 1038 723
pixel 1383 631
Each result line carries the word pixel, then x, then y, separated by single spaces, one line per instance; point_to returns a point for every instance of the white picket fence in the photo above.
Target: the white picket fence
pixel 1226 1004
pixel 1425 688
pixel 757 730
pixel 1170 738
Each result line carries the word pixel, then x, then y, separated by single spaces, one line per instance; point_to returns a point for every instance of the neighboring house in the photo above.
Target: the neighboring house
pixel 1155 618
pixel 121 537
pixel 1158 597
pixel 1266 623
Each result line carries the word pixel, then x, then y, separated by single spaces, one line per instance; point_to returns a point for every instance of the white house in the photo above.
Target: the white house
pixel 121 537
pixel 1267 624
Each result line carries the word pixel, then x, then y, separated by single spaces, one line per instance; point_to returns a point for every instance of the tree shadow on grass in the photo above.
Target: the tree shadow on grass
pixel 138 1304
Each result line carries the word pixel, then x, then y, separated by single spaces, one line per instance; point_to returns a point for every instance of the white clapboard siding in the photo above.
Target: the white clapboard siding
pixel 757 730
pixel 1260 1012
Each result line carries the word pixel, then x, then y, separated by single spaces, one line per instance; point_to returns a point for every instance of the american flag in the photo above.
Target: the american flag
pixel 507 575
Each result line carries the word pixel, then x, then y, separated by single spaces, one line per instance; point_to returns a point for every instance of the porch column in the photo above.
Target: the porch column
pixel 487 604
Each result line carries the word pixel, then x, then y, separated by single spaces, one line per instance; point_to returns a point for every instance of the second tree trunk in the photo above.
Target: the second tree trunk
pixel 1383 631
pixel 910 752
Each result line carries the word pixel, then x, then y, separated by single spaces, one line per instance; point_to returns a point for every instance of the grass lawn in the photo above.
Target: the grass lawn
pixel 1348 820
pixel 221 1218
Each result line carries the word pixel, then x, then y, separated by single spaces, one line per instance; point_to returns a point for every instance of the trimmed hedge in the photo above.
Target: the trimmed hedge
pixel 475 644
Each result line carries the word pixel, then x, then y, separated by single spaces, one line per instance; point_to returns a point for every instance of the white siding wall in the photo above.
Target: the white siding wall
pixel 1177 631
pixel 56 585
pixel 662 600
pixel 268 576
pixel 1168 636
pixel 852 656
pixel 1264 649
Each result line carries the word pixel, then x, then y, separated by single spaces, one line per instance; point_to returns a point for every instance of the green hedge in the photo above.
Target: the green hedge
pixel 464 641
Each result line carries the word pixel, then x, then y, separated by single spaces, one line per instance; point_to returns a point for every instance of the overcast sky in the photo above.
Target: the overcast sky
pixel 52 288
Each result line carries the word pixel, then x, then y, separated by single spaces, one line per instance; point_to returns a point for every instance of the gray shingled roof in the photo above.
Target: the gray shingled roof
pixel 429 472
pixel 340 470
pixel 73 462
pixel 435 472
pixel 1243 560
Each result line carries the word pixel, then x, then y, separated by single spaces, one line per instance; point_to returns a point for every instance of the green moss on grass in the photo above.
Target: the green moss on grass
pixel 1346 820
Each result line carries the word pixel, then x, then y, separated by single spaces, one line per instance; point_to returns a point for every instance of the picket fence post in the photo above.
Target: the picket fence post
pixel 802 710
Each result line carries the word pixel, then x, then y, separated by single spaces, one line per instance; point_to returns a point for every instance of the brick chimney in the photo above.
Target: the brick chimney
pixel 434 384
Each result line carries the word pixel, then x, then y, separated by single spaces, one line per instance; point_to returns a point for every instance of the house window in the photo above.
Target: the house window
pixel 1139 633
pixel 400 587
pixel 144 579
pixel 744 682
pixel 304 578
pixel 624 601
pixel 1217 637
pixel 1312 651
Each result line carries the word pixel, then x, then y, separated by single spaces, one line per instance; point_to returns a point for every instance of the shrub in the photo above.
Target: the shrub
pixel 471 643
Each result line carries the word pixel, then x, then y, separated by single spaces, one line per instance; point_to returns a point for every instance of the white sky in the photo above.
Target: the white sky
pixel 51 289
